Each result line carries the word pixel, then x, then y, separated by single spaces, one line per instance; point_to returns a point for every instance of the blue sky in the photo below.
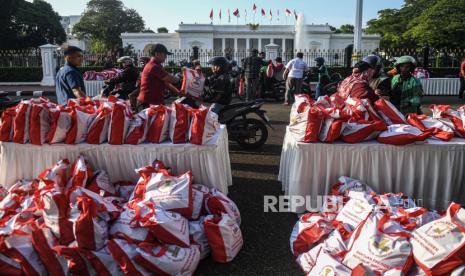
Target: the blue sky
pixel 170 13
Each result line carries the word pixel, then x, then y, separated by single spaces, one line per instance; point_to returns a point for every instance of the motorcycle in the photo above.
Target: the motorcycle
pixel 6 102
pixel 249 133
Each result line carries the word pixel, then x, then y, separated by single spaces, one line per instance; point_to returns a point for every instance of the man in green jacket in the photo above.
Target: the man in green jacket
pixel 406 89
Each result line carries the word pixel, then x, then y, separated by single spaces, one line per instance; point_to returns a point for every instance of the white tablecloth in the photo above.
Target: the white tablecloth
pixel 209 163
pixel 440 86
pixel 433 173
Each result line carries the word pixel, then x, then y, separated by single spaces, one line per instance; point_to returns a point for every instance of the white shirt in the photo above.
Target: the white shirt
pixel 297 67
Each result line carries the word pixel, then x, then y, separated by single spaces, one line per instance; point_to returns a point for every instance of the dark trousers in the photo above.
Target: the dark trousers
pixel 462 88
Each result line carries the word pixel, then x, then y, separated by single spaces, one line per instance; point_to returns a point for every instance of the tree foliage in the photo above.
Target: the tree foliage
pixel 344 29
pixel 24 24
pixel 162 30
pixel 438 23
pixel 105 20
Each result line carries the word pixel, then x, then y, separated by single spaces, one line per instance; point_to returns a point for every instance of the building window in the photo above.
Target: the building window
pixel 289 45
pixel 265 41
pixel 218 44
pixel 253 44
pixel 241 44
pixel 279 42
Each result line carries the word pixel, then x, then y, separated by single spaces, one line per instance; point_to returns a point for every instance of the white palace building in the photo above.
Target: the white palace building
pixel 242 37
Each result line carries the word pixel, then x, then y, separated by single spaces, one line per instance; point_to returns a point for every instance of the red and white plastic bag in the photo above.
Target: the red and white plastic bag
pixel 453 118
pixel 402 135
pixel 306 123
pixel 193 83
pixel 325 264
pixel 356 132
pixel 346 184
pixel 356 210
pixel 390 114
pixel 58 173
pixel 39 124
pixel 203 127
pixel 21 123
pixel 124 253
pixel 80 173
pixel 21 250
pixel 127 227
pixel 179 123
pixel 361 109
pixel 308 231
pixel 120 117
pixel 43 242
pixel 427 124
pixel 439 246
pixel 168 227
pixel 224 237
pixel 60 124
pixel 168 259
pixel 102 262
pixel 6 124
pixel 158 126
pixel 165 191
pixel 81 119
pixel 381 245
pixel 90 231
pixel 218 203
pixel 100 184
pixel 198 236
pixel 98 129
pixel 333 126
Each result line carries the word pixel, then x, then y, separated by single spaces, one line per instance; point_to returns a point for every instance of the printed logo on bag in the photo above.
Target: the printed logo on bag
pixel 174 251
pixel 360 206
pixel 380 246
pixel 327 271
pixel 439 229
pixel 165 186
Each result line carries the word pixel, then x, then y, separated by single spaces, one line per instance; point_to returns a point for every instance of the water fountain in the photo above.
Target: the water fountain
pixel 300 33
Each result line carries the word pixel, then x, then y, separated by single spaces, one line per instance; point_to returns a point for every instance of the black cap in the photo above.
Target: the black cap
pixel 159 48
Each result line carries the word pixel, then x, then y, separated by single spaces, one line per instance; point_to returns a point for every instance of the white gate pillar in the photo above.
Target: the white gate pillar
pixel 271 51
pixel 48 64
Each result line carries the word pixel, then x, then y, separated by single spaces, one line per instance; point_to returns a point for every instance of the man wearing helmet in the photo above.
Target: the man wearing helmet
pixel 218 87
pixel 323 76
pixel 406 89
pixel 128 79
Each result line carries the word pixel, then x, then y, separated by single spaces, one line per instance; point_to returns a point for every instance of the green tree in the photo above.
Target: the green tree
pixel 347 29
pixel 24 24
pixel 438 23
pixel 162 30
pixel 105 20
pixel 441 25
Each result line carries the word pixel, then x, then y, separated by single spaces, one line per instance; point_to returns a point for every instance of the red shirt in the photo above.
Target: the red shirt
pixel 462 69
pixel 151 84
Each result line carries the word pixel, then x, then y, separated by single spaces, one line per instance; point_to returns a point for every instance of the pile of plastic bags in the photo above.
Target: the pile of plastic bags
pixel 358 120
pixel 38 121
pixel 360 232
pixel 101 76
pixel 74 221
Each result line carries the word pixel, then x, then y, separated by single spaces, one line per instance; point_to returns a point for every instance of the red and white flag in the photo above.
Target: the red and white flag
pixel 295 15
pixel 254 8
pixel 211 15
pixel 271 15
pixel 263 12
pixel 288 12
pixel 236 13
pixel 220 14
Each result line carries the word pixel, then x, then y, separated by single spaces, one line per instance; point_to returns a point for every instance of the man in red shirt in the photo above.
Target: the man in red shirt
pixel 154 79
pixel 462 80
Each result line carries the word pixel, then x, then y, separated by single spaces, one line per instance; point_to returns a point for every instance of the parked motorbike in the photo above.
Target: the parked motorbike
pixel 6 102
pixel 249 133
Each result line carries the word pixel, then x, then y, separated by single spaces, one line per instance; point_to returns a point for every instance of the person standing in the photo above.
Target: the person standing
pixel 252 65
pixel 406 89
pixel 69 80
pixel 154 79
pixel 323 76
pixel 128 78
pixel 462 80
pixel 293 75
